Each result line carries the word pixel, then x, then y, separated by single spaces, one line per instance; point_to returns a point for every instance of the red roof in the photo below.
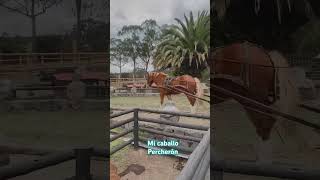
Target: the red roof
pixel 140 85
pixel 84 76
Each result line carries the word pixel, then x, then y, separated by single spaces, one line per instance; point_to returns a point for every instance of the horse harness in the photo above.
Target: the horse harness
pixel 168 81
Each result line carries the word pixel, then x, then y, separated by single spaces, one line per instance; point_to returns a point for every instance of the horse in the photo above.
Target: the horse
pixel 186 84
pixel 252 72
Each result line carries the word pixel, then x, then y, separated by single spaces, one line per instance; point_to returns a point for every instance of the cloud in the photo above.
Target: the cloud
pixel 134 12
pixel 127 12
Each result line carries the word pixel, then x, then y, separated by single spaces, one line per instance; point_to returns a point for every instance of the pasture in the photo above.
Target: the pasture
pixel 153 102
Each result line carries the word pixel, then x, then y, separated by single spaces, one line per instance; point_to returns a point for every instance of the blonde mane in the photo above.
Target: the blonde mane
pixel 288 91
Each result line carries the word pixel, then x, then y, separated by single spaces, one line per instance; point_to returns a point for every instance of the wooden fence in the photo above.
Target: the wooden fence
pixel 34 61
pixel 200 156
pixel 123 82
pixel 198 164
pixel 92 91
pixel 82 157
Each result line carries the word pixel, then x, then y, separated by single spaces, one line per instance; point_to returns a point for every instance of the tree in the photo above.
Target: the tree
pixel 94 35
pixel 188 42
pixel 151 37
pixel 306 40
pixel 118 58
pixel 78 31
pixel 31 9
pixel 86 11
pixel 267 23
pixel 131 39
pixel 278 6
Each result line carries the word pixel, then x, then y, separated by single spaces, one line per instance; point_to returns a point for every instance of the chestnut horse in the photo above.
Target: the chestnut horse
pixel 168 86
pixel 252 72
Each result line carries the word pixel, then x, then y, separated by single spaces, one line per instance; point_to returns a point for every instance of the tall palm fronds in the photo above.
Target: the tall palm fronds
pixel 189 40
pixel 220 6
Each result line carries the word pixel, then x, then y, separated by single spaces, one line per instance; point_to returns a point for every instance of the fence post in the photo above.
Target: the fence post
pixel 136 128
pixel 217 175
pixel 83 157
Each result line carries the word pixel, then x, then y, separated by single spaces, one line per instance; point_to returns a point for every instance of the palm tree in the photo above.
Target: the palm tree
pixel 269 23
pixel 189 41
pixel 300 6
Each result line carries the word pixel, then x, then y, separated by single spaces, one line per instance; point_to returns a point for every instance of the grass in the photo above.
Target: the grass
pixel 153 102
pixel 54 129
pixel 119 158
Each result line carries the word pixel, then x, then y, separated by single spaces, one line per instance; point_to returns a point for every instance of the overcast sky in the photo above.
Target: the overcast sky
pixel 57 20
pixel 134 12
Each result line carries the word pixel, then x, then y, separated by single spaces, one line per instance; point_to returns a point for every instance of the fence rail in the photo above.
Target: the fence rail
pixel 92 91
pixel 202 158
pixel 197 166
pixel 41 58
pixel 21 62
pixel 136 128
pixel 81 155
pixel 220 166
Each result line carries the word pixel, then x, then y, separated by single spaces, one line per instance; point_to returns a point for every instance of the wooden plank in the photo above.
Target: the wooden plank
pixel 121 113
pixel 183 125
pixel 181 155
pixel 190 138
pixel 26 167
pixel 179 148
pixel 121 134
pixel 120 123
pixel 15 149
pixel 252 168
pixel 195 158
pixel 203 165
pixel 119 147
pixel 200 116
pixel 309 107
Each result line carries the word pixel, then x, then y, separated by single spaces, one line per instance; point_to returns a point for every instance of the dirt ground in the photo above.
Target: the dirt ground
pixel 156 167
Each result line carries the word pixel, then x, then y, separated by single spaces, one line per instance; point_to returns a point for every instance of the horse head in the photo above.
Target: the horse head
pixel 150 76
pixel 153 77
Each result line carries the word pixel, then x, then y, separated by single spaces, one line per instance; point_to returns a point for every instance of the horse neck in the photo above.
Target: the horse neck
pixel 159 80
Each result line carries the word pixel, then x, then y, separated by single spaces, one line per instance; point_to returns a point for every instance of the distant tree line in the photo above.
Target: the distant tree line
pixel 90 31
pixel 180 48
